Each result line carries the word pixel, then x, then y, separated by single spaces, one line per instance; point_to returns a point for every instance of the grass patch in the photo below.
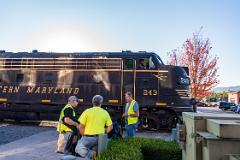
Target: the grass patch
pixel 139 148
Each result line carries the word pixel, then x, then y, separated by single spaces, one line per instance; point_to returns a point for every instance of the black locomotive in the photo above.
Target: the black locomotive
pixel 37 85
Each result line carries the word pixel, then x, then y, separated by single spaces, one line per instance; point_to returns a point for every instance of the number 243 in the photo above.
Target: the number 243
pixel 151 92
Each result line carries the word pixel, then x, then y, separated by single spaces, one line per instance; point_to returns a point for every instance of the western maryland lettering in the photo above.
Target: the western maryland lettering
pixel 52 90
pixel 38 90
pixel 9 89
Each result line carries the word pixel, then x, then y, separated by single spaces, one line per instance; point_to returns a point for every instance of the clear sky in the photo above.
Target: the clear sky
pixel 111 25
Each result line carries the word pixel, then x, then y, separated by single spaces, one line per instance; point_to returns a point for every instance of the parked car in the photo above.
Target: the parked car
pixel 201 104
pixel 238 109
pixel 226 105
pixel 213 104
pixel 235 108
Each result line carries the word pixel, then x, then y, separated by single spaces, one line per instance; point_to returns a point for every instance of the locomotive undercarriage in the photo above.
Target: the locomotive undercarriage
pixel 151 118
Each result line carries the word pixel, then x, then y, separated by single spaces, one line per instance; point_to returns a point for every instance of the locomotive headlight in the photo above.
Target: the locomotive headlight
pixel 185 81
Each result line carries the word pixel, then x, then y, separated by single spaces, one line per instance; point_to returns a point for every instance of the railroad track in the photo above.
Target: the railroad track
pixel 30 123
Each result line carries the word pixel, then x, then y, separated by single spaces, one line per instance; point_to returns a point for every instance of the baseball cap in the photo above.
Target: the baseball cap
pixel 72 98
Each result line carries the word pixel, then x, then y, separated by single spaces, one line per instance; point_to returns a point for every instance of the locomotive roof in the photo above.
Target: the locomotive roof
pixel 36 54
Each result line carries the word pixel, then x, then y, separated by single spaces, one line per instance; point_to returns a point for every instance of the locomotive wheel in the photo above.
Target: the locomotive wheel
pixel 152 124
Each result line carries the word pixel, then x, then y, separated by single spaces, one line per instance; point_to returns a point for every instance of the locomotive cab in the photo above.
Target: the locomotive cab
pixel 162 92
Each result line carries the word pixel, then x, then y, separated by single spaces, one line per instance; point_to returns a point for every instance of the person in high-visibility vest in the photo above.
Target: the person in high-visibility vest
pixel 131 115
pixel 68 122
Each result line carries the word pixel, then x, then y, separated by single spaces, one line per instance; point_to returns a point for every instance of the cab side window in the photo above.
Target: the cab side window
pixel 145 63
pixel 128 64
pixel 142 63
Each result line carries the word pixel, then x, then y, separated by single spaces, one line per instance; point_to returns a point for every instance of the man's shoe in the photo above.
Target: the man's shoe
pixel 94 155
pixel 60 152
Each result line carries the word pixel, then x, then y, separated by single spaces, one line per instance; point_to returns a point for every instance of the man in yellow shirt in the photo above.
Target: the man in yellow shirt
pixel 92 123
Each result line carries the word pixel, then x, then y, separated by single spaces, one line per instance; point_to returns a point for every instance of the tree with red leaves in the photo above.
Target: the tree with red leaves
pixel 195 54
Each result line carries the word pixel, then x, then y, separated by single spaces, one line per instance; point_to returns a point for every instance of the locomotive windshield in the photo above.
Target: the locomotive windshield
pixel 159 60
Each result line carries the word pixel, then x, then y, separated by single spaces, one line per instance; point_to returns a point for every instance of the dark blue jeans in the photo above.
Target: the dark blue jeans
pixel 131 130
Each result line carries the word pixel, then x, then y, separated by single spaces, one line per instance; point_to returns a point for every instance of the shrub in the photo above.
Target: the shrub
pixel 138 148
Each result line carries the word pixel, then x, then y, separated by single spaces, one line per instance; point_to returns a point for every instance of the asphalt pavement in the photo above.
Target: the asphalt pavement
pixel 32 142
